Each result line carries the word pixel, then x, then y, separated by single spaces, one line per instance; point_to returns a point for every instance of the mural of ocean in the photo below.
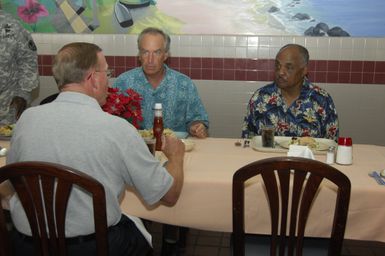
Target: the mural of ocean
pixel 358 18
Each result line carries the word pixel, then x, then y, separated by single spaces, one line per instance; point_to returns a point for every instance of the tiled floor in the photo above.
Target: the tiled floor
pixel 207 243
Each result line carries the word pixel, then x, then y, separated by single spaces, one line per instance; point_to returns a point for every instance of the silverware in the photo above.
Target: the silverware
pixel 377 177
pixel 246 143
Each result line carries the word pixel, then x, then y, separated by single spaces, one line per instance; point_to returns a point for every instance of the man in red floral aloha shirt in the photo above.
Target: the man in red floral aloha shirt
pixel 293 105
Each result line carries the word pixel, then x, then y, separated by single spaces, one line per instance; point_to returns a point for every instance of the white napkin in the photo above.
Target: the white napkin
pixel 300 151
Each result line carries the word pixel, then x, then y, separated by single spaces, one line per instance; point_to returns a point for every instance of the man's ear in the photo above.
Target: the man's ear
pixel 165 56
pixel 304 71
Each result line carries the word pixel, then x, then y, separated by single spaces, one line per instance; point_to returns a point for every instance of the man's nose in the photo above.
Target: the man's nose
pixel 151 57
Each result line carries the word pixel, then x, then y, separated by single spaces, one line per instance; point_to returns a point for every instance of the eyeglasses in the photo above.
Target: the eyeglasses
pixel 109 72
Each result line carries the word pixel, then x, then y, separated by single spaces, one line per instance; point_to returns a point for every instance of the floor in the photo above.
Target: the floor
pixel 208 243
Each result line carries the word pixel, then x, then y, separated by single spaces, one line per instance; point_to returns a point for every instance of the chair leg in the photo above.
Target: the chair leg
pixel 174 240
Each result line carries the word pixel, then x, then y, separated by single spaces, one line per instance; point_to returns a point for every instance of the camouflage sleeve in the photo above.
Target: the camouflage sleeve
pixel 26 60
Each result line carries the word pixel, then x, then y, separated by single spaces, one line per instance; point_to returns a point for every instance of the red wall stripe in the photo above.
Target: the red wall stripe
pixel 235 69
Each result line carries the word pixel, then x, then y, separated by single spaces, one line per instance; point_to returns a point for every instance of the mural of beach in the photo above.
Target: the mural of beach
pixel 239 17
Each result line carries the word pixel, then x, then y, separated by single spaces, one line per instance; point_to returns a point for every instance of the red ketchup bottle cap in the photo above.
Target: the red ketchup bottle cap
pixel 345 141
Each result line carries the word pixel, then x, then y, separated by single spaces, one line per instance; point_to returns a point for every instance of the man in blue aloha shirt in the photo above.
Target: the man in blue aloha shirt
pixel 183 110
pixel 293 105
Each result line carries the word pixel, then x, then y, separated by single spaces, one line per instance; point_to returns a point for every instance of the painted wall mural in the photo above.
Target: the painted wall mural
pixel 239 17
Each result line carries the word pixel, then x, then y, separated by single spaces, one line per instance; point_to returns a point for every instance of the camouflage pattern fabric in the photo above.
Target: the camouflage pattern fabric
pixel 18 65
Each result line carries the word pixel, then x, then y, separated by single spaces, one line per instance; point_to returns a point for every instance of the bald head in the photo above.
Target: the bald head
pixel 302 52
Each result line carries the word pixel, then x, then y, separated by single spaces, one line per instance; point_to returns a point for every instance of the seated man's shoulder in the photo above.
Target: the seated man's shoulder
pixel 180 75
pixel 315 89
pixel 267 89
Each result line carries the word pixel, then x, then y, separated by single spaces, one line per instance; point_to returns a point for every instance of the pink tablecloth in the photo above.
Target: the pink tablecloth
pixel 205 202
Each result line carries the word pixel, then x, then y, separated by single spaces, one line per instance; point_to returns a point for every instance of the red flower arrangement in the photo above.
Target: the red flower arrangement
pixel 126 106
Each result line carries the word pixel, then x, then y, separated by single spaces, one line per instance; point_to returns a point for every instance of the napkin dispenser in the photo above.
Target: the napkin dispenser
pixel 300 151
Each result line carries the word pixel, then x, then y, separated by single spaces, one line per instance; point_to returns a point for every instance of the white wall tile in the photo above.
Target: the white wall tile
pixel 252 41
pixel 196 51
pixel 218 40
pixel 207 40
pixel 196 40
pixel 241 52
pixel 264 41
pixel 241 41
pixel 218 51
pixel 229 52
pixel 263 52
pixel 252 52
pixel 229 41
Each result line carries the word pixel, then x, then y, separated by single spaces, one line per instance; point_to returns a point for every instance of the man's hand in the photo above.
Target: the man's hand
pixel 20 104
pixel 198 129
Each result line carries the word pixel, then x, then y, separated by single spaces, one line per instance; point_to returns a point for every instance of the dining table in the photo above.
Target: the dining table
pixel 205 201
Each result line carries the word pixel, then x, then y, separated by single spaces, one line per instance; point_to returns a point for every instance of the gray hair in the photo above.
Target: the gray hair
pixel 155 31
pixel 73 61
pixel 302 50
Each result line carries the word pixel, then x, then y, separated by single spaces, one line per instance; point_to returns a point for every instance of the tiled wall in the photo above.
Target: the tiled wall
pixel 240 58
pixel 228 69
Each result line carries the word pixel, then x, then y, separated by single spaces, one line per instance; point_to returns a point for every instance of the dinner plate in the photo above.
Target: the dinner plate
pixel 282 144
pixel 320 145
pixel 181 135
pixel 149 133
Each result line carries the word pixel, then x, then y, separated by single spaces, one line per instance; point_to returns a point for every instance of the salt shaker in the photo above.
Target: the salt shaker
pixel 344 151
pixel 330 156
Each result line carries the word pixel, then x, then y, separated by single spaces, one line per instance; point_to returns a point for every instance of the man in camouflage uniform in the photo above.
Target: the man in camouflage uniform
pixel 18 68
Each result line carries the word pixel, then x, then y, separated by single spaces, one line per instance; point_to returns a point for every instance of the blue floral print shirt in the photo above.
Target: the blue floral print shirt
pixel 312 114
pixel 177 93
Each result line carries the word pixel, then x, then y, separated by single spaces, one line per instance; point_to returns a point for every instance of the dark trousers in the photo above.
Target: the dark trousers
pixel 124 239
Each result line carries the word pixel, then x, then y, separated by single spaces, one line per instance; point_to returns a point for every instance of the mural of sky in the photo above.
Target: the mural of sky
pixel 239 17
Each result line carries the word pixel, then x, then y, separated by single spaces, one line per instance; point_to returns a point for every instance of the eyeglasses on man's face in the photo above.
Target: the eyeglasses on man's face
pixel 109 72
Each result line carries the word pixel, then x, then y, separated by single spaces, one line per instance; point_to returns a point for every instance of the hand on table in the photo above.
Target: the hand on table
pixel 173 147
pixel 198 130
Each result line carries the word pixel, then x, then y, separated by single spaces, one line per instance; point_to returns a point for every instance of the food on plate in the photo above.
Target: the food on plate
pixel 149 133
pixel 188 144
pixel 304 141
pixel 6 130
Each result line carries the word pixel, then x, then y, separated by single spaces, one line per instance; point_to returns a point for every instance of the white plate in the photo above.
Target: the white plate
pixel 181 135
pixel 149 133
pixel 189 144
pixel 320 145
pixel 256 144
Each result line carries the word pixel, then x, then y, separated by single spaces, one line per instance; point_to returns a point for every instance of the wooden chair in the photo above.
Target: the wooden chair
pixel 306 175
pixel 44 189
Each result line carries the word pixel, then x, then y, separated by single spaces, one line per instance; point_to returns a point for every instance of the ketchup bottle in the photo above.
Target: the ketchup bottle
pixel 158 126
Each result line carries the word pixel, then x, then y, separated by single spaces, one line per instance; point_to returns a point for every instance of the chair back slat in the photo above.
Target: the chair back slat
pixel 44 190
pixel 291 185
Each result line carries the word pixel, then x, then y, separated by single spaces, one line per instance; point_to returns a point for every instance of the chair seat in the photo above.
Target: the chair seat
pixel 260 245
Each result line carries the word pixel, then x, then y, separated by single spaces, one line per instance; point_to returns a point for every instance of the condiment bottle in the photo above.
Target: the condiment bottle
pixel 158 126
pixel 344 151
pixel 330 155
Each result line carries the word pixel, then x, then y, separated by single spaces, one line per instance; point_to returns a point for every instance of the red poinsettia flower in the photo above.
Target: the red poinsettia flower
pixel 31 11
pixel 125 105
